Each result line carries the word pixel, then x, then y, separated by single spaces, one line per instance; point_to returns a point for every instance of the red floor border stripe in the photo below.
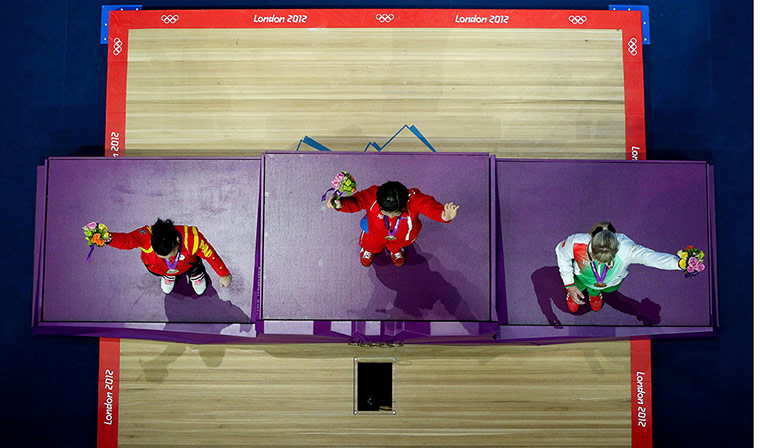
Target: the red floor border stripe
pixel 641 394
pixel 108 393
pixel 629 22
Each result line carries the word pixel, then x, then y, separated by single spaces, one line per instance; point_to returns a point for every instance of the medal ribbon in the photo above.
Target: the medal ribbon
pixel 388 225
pixel 599 278
pixel 173 265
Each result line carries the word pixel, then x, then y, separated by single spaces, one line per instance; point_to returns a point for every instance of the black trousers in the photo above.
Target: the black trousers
pixel 196 268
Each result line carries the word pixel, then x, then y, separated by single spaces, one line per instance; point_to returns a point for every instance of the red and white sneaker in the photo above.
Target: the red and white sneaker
pixel 199 283
pixel 366 257
pixel 596 302
pixel 399 257
pixel 167 284
pixel 571 305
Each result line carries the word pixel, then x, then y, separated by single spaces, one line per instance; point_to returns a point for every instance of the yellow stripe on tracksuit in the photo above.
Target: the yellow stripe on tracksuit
pixel 195 239
pixel 150 249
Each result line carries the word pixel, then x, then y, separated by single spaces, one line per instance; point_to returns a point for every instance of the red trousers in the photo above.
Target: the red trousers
pixel 377 244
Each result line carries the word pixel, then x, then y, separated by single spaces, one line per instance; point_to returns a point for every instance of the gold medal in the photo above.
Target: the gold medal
pixel 391 233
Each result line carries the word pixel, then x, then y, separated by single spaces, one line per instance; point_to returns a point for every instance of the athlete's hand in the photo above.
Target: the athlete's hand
pixel 576 295
pixel 225 281
pixel 449 211
pixel 334 203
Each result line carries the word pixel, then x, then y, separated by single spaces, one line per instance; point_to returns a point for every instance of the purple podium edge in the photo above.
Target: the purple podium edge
pixel 179 332
pixel 494 269
pixel 636 162
pixel 153 158
pixel 170 332
pixel 257 268
pixel 538 333
pixel 39 238
pixel 382 330
pixel 189 333
pixel 713 243
pixel 381 154
pixel 259 243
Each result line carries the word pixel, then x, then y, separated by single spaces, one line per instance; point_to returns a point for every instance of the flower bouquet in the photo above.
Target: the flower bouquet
pixel 96 234
pixel 343 185
pixel 691 262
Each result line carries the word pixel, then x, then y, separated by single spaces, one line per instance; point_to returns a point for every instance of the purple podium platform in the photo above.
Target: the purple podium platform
pixel 661 205
pixel 489 276
pixel 114 293
pixel 310 258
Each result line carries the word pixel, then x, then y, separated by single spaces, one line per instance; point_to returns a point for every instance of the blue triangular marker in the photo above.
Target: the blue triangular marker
pixel 315 144
pixel 422 138
pixel 413 129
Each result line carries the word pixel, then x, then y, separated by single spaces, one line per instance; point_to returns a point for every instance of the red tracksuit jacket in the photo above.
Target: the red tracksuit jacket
pixel 410 226
pixel 194 245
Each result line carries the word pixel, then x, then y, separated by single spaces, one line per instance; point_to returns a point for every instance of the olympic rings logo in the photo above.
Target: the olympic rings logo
pixel 577 20
pixel 632 47
pixel 170 19
pixel 117 45
pixel 384 18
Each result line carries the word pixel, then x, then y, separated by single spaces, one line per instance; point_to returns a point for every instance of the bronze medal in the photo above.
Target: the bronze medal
pixel 600 285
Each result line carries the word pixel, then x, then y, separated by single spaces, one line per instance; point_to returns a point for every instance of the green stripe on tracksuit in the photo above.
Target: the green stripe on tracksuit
pixel 591 290
pixel 586 279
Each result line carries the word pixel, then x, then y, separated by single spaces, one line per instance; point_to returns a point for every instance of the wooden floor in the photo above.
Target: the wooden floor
pixel 510 92
pixel 302 395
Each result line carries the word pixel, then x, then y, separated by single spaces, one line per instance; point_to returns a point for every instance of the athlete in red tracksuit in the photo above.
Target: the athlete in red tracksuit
pixel 171 251
pixel 393 217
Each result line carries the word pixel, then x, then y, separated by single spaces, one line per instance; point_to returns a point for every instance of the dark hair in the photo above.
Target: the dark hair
pixel 163 237
pixel 392 196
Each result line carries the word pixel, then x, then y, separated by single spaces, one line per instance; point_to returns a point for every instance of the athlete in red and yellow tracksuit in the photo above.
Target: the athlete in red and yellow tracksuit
pixel 408 228
pixel 193 246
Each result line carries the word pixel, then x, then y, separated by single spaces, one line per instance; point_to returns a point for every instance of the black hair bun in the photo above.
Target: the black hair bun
pixel 392 196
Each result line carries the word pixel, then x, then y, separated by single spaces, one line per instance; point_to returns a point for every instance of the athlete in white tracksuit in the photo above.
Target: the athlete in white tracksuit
pixel 579 270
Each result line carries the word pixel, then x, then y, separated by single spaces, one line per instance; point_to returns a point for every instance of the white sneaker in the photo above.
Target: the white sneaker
pixel 167 284
pixel 199 284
